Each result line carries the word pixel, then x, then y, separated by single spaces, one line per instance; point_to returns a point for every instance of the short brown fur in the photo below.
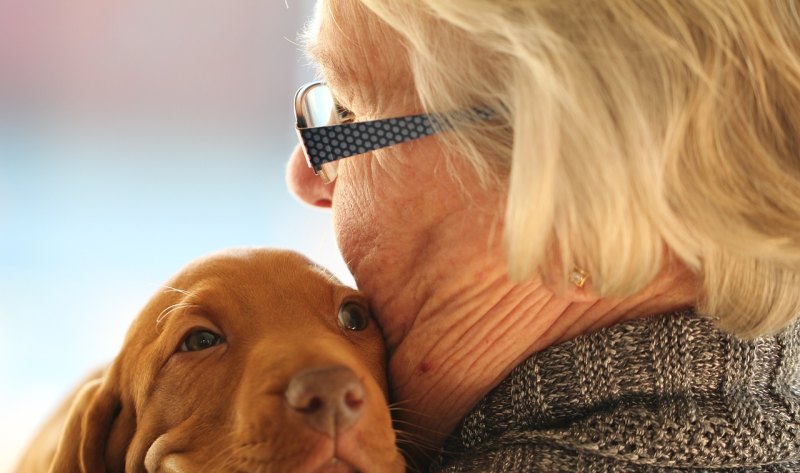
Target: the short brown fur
pixel 222 409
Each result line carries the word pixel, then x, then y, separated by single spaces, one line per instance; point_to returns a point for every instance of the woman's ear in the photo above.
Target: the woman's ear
pixel 96 435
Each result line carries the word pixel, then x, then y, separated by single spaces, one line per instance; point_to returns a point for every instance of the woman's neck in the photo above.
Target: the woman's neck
pixel 451 344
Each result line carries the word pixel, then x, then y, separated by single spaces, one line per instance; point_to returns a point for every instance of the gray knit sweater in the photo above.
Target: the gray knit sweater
pixel 666 393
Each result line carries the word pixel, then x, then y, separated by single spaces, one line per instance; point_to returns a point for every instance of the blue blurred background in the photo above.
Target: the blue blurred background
pixel 135 136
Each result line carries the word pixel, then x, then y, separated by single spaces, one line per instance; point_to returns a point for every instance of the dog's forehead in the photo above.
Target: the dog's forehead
pixel 246 276
pixel 256 266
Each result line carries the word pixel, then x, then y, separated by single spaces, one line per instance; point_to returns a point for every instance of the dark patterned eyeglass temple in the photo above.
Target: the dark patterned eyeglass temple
pixel 325 139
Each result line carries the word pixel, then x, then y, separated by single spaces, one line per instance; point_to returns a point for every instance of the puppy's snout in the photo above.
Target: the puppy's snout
pixel 331 398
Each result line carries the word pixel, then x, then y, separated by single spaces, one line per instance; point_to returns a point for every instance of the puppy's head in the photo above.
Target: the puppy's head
pixel 252 361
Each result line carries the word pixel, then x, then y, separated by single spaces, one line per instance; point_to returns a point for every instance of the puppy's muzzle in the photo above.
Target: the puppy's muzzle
pixel 330 399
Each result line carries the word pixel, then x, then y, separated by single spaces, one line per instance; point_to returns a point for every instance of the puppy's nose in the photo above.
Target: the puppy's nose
pixel 330 398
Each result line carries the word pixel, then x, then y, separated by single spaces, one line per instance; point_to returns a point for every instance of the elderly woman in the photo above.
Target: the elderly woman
pixel 578 223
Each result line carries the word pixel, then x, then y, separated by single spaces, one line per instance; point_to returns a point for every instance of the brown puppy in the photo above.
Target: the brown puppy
pixel 252 361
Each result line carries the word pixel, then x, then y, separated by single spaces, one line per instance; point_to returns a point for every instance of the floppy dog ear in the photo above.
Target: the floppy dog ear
pixel 95 436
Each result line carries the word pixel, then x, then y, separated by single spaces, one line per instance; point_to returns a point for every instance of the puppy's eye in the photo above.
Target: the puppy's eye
pixel 198 340
pixel 353 316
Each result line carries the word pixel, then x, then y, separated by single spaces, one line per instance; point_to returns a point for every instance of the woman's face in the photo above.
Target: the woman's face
pixel 398 213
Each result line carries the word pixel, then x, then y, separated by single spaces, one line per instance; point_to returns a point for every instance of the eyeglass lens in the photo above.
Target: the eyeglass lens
pixel 320 109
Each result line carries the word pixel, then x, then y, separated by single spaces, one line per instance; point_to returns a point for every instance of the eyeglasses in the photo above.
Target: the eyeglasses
pixel 328 132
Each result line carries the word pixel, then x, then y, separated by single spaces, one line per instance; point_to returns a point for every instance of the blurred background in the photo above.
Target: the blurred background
pixel 135 136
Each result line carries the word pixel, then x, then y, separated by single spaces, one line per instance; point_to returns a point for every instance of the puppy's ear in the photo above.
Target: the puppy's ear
pixel 93 425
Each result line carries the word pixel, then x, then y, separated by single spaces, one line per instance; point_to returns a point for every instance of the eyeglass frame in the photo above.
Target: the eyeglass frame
pixel 330 143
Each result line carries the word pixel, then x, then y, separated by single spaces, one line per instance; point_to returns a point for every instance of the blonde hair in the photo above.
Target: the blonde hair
pixel 630 127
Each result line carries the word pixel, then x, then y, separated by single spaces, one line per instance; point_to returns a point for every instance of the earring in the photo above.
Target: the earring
pixel 578 277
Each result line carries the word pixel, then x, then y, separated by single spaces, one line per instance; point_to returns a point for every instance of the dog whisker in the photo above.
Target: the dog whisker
pixel 405 410
pixel 180 305
pixel 403 442
pixel 180 291
pixel 399 403
pixel 405 402
pixel 416 446
pixel 417 456
pixel 412 424
pixel 166 312
pixel 412 464
pixel 427 451
pixel 326 273
pixel 397 408
pixel 409 426
pixel 417 441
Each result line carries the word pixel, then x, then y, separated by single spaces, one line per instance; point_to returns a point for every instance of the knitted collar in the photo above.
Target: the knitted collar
pixel 663 391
